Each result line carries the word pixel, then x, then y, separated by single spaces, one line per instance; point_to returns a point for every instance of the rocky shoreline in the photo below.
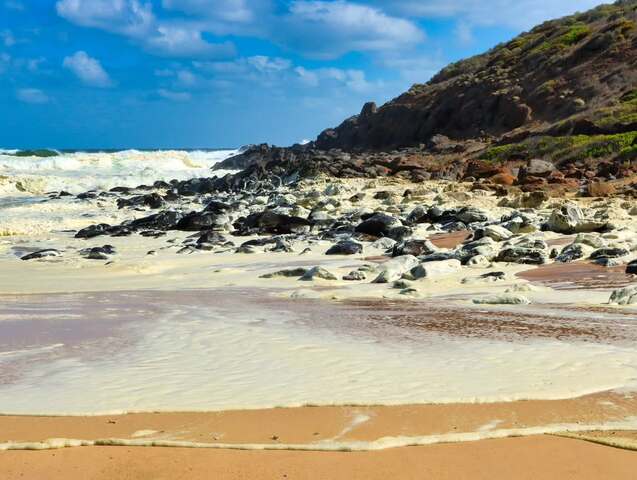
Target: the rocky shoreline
pixel 394 219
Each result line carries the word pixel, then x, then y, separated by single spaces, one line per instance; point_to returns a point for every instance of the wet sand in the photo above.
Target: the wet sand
pixel 578 275
pixel 317 427
pixel 530 458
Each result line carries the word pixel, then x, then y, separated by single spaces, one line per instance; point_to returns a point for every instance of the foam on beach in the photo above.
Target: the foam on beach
pixel 198 357
pixel 566 429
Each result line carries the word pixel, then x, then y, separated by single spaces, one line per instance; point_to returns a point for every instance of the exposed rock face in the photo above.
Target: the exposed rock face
pixel 551 79
pixel 555 108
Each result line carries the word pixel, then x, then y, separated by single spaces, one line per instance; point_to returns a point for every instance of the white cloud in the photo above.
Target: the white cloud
pixel 267 64
pixel 309 78
pixel 185 41
pixel 174 96
pixel 330 29
pixel 127 17
pixel 137 21
pixel 518 14
pixel 32 95
pixel 88 70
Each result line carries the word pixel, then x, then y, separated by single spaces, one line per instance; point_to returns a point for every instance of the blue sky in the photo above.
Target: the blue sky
pixel 216 73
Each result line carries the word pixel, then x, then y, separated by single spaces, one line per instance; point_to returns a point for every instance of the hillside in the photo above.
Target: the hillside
pixel 565 93
pixel 575 75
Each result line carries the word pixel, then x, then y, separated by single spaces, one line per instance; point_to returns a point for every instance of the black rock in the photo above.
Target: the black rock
pixel 604 253
pixel 152 200
pixel 197 221
pixel 159 221
pixel 413 247
pixel 346 247
pixel 528 256
pixel 378 224
pixel 93 231
pixel 48 252
pixel 631 268
pixel 570 253
pixel 271 222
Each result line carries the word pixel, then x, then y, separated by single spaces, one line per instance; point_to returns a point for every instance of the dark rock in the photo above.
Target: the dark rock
pixel 152 200
pixel 271 222
pixel 378 225
pixel 159 221
pixel 196 221
pixel 604 253
pixel 631 268
pixel 528 256
pixel 93 231
pixel 570 253
pixel 416 248
pixel 346 247
pixel 47 252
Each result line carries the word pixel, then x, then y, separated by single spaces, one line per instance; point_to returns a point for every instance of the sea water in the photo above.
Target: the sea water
pixel 172 351
pixel 26 181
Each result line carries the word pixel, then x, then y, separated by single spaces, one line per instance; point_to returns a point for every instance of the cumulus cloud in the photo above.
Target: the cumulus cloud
pixel 137 21
pixel 127 17
pixel 330 29
pixel 184 41
pixel 267 64
pixel 88 70
pixel 519 14
pixel 32 95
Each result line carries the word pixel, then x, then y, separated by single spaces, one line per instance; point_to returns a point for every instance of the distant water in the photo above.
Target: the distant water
pixel 78 171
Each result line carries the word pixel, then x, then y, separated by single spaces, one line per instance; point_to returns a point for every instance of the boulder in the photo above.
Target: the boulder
pixel 497 233
pixel 570 219
pixel 378 225
pixel 472 215
pixel 631 268
pixel 287 273
pixel 197 221
pixel 159 221
pixel 624 296
pixel 415 248
pixel 318 273
pixel 271 222
pixel 47 252
pixel 394 269
pixel 346 247
pixel 355 275
pixel 432 270
pixel 572 252
pixel 151 200
pixel 384 243
pixel 527 256
pixel 93 231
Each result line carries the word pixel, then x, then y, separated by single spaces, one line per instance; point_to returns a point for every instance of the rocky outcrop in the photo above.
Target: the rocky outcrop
pixel 553 79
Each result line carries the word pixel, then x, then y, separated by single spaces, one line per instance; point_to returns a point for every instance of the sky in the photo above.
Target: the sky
pixel 225 73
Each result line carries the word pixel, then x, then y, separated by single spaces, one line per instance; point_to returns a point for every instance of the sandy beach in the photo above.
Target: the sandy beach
pixel 137 365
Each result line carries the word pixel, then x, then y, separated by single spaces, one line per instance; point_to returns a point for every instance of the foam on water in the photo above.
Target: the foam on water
pixel 81 171
pixel 25 180
pixel 205 359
